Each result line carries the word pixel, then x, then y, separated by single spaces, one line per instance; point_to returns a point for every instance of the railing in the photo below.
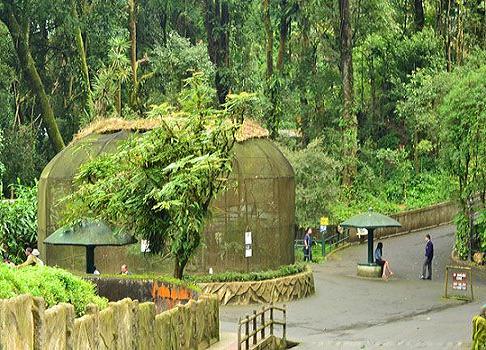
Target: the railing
pixel 259 324
pixel 326 241
pixel 335 240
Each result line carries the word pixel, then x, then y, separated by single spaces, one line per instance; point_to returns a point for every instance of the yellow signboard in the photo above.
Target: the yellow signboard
pixel 324 221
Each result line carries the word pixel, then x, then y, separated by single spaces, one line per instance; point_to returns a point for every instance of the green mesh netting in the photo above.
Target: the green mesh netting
pixel 260 198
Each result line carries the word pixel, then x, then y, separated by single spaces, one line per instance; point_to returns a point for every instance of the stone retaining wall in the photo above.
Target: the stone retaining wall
pixel 268 291
pixel 419 219
pixel 126 324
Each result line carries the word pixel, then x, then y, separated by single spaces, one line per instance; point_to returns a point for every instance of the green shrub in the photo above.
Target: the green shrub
pixel 18 222
pixel 316 181
pixel 53 284
pixel 481 229
pixel 462 235
pixel 283 271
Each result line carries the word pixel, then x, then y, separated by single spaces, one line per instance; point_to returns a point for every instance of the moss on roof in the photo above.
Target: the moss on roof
pixel 250 129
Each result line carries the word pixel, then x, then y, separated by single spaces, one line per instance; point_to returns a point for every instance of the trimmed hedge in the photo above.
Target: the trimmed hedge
pixel 53 284
pixel 283 271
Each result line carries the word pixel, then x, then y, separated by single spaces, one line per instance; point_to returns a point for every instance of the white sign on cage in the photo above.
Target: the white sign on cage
pixel 144 246
pixel 248 245
pixel 248 238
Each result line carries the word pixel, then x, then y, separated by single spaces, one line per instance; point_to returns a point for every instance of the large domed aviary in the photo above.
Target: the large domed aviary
pixel 260 197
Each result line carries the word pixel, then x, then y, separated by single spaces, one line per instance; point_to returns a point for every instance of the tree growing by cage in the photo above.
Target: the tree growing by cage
pixel 159 184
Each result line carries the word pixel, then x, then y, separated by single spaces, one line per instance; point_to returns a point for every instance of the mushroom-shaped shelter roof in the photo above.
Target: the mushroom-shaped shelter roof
pixel 370 220
pixel 89 233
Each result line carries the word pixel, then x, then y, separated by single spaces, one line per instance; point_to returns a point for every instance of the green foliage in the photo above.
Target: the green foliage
pixel 283 271
pixel 109 85
pixel 18 222
pixel 2 166
pixel 316 177
pixel 385 182
pixel 457 99
pixel 461 245
pixel 481 229
pixel 464 132
pixel 53 284
pixel 174 62
pixel 387 61
pixel 464 143
pixel 159 184
pixel 21 155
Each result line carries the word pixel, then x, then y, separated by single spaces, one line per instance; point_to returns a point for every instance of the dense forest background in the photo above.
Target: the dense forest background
pixel 377 103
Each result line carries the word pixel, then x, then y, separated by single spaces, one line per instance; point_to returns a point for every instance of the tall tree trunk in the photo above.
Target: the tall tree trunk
pixel 459 40
pixel 82 58
pixel 222 77
pixel 271 85
pixel 19 30
pixel 132 26
pixel 419 15
pixel 349 121
pixel 447 35
pixel 179 266
pixel 305 63
pixel 216 21
pixel 284 30
pixel 269 37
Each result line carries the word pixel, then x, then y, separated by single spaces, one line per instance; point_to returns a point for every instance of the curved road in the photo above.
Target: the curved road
pixel 405 312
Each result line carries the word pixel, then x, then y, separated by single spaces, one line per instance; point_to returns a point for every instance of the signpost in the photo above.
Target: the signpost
pixel 461 280
pixel 323 223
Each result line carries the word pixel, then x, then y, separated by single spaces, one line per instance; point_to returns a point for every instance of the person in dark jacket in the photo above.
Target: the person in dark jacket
pixel 308 245
pixel 429 255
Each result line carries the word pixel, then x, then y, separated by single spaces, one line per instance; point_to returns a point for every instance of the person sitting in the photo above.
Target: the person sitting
pixel 124 270
pixel 479 330
pixel 32 258
pixel 387 272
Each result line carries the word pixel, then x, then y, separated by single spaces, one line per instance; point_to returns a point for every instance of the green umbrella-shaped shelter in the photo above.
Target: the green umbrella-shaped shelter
pixel 90 234
pixel 371 221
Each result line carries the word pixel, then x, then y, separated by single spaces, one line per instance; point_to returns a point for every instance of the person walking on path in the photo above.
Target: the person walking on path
pixel 308 245
pixel 429 255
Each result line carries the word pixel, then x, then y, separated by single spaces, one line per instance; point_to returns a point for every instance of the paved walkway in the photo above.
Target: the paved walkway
pixel 348 312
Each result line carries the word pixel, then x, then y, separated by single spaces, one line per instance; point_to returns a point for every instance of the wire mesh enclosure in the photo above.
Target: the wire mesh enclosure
pixel 260 198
